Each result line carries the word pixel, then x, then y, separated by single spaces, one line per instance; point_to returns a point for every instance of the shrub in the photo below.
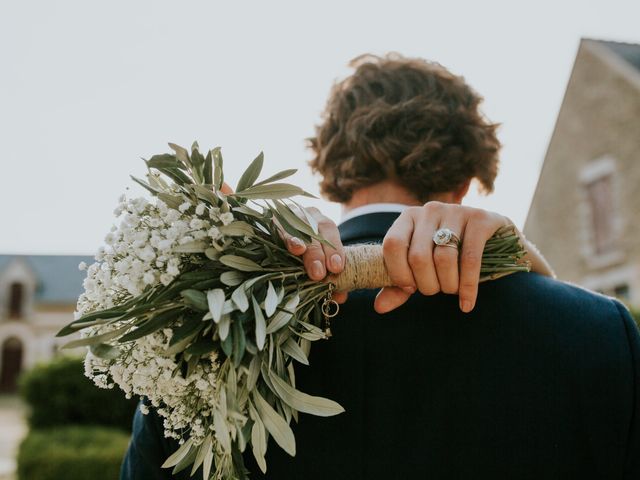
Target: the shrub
pixel 72 453
pixel 59 394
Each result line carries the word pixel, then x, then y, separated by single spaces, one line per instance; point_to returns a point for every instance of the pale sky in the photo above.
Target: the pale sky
pixel 87 88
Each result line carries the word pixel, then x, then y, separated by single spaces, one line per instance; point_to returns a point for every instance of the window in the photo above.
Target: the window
pixel 600 198
pixel 16 294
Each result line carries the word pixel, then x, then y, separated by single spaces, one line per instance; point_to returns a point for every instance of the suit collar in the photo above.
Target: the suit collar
pixel 372 226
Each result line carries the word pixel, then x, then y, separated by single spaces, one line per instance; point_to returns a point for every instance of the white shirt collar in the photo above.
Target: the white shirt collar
pixel 372 208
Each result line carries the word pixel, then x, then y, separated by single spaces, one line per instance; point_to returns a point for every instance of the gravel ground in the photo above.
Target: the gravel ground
pixel 14 428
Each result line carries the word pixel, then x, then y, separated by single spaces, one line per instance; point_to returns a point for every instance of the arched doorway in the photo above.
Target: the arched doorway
pixel 12 351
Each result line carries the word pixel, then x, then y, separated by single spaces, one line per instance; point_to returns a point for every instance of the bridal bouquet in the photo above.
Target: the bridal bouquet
pixel 196 304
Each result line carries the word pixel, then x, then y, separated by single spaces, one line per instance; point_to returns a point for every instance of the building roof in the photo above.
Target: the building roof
pixel 630 52
pixel 58 276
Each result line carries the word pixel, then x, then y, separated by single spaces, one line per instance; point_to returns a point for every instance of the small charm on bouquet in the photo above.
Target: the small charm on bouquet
pixel 330 309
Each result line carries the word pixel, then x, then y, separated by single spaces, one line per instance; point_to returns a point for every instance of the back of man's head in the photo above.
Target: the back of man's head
pixel 407 120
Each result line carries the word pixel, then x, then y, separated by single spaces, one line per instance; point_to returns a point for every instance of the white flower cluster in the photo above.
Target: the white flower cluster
pixel 143 249
pixel 148 248
pixel 186 404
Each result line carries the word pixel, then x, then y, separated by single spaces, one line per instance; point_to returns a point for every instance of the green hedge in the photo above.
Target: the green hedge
pixel 72 453
pixel 635 313
pixel 59 394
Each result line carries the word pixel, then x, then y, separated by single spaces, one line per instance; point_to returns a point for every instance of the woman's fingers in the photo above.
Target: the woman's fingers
pixel 445 258
pixel 295 245
pixel 314 261
pixel 340 297
pixel 481 225
pixel 390 298
pixel 331 257
pixel 226 189
pixel 413 260
pixel 395 248
pixel 318 258
pixel 421 250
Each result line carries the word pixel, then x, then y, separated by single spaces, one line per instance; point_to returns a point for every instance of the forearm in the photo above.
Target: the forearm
pixel 539 264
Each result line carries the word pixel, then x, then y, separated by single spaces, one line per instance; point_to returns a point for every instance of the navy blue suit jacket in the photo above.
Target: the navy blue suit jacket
pixel 540 381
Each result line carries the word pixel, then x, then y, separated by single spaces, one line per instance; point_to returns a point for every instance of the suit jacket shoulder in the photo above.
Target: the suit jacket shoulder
pixel 542 374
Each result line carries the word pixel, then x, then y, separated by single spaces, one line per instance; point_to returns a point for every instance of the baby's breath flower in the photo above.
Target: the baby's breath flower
pixel 148 278
pixel 226 218
pixel 214 233
pixel 110 238
pixel 196 223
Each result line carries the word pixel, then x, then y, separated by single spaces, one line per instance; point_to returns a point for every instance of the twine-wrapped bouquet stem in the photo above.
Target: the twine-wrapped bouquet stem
pixel 365 267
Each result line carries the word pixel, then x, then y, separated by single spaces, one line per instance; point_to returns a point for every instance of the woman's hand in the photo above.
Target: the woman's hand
pixel 414 262
pixel 320 259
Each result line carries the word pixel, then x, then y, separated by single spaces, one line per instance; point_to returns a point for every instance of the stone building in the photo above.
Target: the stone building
pixel 585 213
pixel 38 295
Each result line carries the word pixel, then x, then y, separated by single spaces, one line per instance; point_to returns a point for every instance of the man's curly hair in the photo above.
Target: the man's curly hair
pixel 404 119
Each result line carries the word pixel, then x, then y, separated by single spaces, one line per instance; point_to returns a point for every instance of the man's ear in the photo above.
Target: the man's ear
pixel 461 191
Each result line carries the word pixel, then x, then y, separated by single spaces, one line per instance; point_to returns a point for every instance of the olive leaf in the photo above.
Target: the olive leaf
pixel 322 407
pixel 271 191
pixel 291 348
pixel 281 318
pixel 251 174
pixel 207 464
pixel 275 424
pixel 196 246
pixel 254 372
pixel 179 454
pixel 271 300
pixel 95 339
pixel 106 351
pixel 278 176
pixel 145 185
pixel 221 430
pixel 223 326
pixel 239 297
pixel 232 278
pixel 261 326
pixel 240 263
pixel 258 438
pixel 237 229
pixel 204 447
pixel 165 160
pixel 218 175
pixel 195 299
pixel 215 302
pixel 154 324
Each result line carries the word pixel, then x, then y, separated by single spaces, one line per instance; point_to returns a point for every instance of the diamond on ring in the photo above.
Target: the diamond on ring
pixel 446 238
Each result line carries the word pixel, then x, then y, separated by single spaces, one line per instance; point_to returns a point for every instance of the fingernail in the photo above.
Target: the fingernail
pixel 336 261
pixel 296 242
pixel 466 306
pixel 382 306
pixel 317 270
pixel 409 289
